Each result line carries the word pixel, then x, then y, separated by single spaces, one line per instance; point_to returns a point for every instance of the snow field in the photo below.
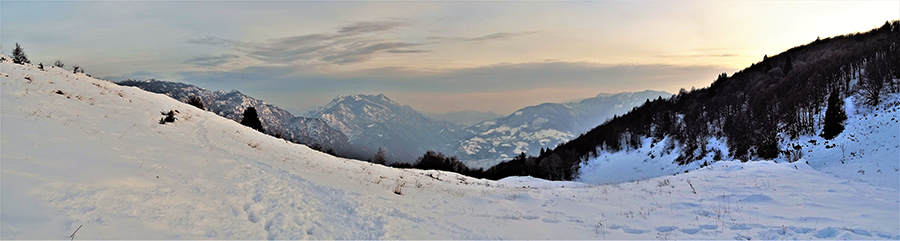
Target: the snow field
pixel 96 156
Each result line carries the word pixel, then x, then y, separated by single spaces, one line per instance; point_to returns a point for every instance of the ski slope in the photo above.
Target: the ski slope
pixel 80 152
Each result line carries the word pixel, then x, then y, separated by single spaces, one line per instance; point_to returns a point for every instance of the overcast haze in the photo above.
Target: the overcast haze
pixel 434 56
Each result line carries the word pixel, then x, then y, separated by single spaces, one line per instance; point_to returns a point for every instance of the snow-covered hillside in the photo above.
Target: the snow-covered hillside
pixel 275 121
pixel 81 152
pixel 868 150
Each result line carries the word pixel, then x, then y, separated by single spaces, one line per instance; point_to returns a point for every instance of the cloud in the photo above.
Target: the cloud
pixel 410 51
pixel 346 46
pixel 208 40
pixel 501 35
pixel 371 26
pixel 210 61
pixel 365 52
pixel 493 36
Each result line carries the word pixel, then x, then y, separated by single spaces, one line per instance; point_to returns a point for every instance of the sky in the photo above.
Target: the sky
pixel 435 56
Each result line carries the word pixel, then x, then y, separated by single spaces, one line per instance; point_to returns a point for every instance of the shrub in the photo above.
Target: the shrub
pixel 196 102
pixel 169 117
pixel 19 56
pixel 379 157
pixel 58 64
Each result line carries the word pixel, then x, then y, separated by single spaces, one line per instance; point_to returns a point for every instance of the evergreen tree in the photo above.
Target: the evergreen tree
pixel 58 64
pixel 834 116
pixel 19 56
pixel 251 119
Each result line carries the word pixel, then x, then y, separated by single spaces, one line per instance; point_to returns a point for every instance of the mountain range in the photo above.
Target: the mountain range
pixel 546 125
pixel 375 121
pixel 359 125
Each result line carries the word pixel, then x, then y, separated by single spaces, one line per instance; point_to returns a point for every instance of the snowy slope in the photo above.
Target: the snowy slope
pixel 868 150
pixel 275 120
pixel 79 151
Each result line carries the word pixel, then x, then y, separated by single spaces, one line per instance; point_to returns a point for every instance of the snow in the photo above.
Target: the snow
pixel 96 156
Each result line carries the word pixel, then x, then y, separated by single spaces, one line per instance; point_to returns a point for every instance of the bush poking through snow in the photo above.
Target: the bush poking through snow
pixel 196 102
pixel 169 117
pixel 58 64
pixel 663 183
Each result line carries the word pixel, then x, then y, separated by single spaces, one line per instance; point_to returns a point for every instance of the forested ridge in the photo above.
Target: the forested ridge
pixel 782 96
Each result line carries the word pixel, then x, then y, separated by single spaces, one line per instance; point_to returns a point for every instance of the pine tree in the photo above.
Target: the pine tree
pixel 251 119
pixel 58 64
pixel 834 116
pixel 19 56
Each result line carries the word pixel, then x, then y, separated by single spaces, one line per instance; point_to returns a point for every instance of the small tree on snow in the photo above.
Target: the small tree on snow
pixel 75 69
pixel 251 119
pixel 379 157
pixel 58 64
pixel 834 116
pixel 196 101
pixel 19 56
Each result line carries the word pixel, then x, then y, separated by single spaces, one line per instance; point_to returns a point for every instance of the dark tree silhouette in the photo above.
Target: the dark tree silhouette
pixel 19 56
pixel 196 101
pixel 379 157
pixel 58 64
pixel 834 116
pixel 251 119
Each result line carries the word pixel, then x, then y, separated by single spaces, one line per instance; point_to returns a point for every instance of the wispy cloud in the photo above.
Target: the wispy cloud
pixel 211 61
pixel 502 35
pixel 354 43
pixel 372 26
pixel 208 40
pixel 493 36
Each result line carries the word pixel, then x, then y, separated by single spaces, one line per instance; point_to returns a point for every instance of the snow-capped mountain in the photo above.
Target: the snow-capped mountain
pixel 85 159
pixel 375 121
pixel 546 125
pixel 275 121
